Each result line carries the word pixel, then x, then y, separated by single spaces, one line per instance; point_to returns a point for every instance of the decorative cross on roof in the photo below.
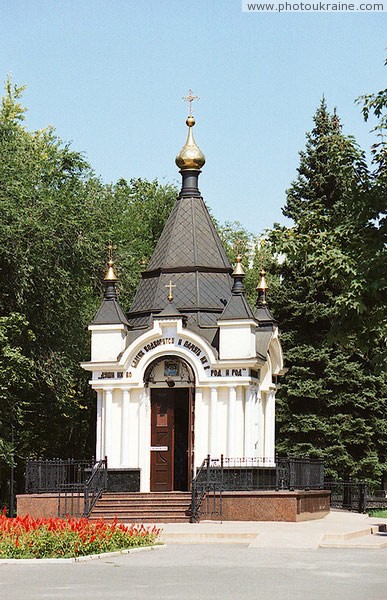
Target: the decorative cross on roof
pixel 110 250
pixel 170 286
pixel 239 245
pixel 189 99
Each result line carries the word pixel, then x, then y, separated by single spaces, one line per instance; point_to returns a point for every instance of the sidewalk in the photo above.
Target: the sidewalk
pixel 336 530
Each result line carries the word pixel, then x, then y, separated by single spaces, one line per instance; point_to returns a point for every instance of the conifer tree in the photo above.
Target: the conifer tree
pixel 332 402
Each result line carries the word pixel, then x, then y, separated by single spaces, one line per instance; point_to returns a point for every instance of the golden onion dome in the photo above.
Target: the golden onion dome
pixel 190 156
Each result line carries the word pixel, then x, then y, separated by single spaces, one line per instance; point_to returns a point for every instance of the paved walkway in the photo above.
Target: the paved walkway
pixel 338 529
pixel 206 572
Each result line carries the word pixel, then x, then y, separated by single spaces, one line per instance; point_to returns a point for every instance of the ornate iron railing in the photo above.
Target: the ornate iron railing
pixel 44 476
pixel 299 473
pixel 216 476
pixel 206 491
pixel 348 495
pixel 356 496
pixel 95 485
pixel 78 484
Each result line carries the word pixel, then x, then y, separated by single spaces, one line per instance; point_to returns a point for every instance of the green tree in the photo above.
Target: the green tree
pixel 373 210
pixel 56 219
pixel 332 401
pixel 143 208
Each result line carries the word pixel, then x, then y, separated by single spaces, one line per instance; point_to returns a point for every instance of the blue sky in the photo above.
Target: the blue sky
pixel 110 74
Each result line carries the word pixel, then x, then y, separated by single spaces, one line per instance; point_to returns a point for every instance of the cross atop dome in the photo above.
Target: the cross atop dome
pixel 189 99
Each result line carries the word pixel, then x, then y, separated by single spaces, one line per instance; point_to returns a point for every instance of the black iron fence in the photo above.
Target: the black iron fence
pixel 299 473
pixel 44 476
pixel 78 484
pixel 216 476
pixel 206 491
pixel 355 496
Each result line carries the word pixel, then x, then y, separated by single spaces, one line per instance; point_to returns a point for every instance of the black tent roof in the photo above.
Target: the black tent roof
pixel 190 254
pixel 109 313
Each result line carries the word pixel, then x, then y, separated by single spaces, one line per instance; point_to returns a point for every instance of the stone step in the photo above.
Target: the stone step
pixel 154 507
pixel 372 537
pixel 366 541
pixel 147 495
pixel 145 511
pixel 146 519
pixel 140 501
pixel 208 538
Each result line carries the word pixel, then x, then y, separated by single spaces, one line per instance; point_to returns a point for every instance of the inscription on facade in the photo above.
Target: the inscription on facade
pixel 106 375
pixel 111 375
pixel 150 346
pixel 229 372
pixel 171 341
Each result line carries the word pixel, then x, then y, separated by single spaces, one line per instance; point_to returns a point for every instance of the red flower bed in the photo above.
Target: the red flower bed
pixel 25 537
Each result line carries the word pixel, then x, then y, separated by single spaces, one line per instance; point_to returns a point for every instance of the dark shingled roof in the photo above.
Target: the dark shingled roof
pixel 109 313
pixel 190 254
pixel 170 311
pixel 264 317
pixel 189 239
pixel 262 342
pixel 237 308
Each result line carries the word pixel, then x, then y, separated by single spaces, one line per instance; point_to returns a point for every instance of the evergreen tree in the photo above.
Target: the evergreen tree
pixel 332 402
pixel 372 209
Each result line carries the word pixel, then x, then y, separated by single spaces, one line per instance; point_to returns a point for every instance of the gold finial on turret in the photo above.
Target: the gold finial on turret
pixel 261 289
pixel 262 285
pixel 238 269
pixel 110 273
pixel 190 156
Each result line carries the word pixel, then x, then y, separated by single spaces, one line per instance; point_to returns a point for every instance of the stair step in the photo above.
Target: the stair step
pixel 139 507
pixel 113 513
pixel 155 495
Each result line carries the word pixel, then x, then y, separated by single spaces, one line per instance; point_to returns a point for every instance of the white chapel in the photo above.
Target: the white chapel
pixel 191 369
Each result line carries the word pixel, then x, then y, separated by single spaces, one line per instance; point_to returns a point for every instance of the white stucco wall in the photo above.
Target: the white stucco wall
pixel 236 340
pixel 234 413
pixel 107 341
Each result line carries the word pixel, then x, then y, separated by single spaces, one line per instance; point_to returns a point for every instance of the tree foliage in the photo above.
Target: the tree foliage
pixel 326 276
pixel 333 398
pixel 56 219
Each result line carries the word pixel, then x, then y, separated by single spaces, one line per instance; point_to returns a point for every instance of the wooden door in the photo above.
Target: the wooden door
pixel 162 441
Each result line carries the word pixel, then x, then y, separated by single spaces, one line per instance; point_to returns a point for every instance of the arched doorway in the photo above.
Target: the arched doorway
pixel 172 385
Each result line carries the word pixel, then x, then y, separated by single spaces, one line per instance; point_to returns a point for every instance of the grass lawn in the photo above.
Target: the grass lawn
pixel 378 513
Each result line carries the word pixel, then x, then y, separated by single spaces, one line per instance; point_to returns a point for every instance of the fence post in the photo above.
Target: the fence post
pixel 106 473
pixel 347 495
pixel 291 473
pixel 362 504
pixel 321 473
pixel 306 483
pixel 86 500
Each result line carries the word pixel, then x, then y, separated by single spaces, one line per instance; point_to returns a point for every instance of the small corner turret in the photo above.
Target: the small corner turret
pixel 237 320
pixel 109 326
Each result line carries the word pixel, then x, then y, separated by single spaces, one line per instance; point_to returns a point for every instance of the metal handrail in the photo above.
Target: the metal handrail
pixel 196 495
pixel 95 486
pixel 203 486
